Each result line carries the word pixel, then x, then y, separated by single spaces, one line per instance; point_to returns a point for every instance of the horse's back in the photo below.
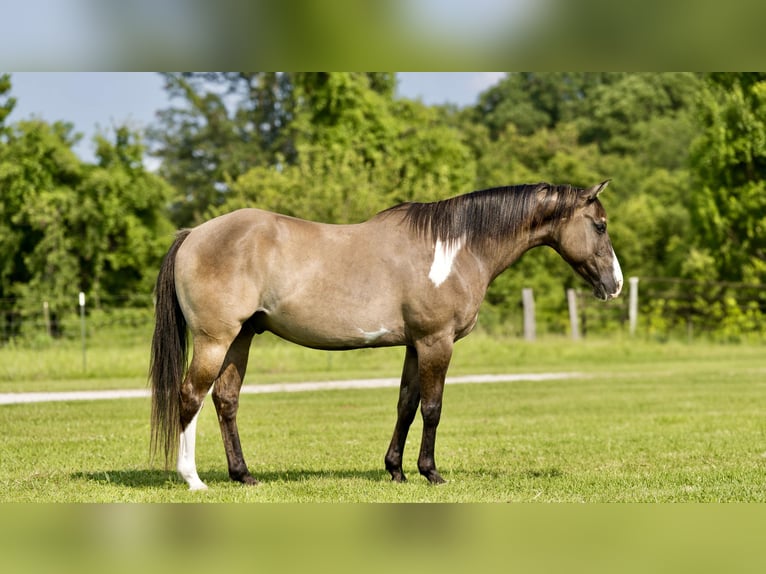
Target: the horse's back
pixel 322 285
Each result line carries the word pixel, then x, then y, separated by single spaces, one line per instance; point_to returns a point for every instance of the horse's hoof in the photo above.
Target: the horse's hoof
pixel 249 480
pixel 435 478
pixel 244 478
pixel 398 476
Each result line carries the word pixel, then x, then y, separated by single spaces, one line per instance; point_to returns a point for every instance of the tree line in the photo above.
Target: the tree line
pixel 686 153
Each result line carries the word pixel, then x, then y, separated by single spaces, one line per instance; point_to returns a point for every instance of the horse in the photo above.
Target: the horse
pixel 413 275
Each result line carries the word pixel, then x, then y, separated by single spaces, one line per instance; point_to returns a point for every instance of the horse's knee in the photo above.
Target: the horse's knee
pixel 431 413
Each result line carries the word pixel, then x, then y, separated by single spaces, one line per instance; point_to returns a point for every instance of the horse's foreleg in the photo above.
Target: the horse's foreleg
pixel 226 400
pixel 409 397
pixel 433 361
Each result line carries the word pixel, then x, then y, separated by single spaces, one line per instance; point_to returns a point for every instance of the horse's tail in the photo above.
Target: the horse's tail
pixel 168 358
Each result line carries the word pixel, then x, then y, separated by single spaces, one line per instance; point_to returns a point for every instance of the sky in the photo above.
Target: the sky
pixel 94 101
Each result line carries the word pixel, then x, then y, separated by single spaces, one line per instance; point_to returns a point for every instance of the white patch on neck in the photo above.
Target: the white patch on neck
pixel 372 336
pixel 444 257
pixel 187 467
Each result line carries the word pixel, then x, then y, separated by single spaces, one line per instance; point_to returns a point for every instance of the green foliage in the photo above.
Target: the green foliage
pixel 122 221
pixel 229 123
pixel 644 422
pixel 67 226
pixel 686 154
pixel 535 101
pixel 7 103
pixel 357 153
pixel 729 158
pixel 38 173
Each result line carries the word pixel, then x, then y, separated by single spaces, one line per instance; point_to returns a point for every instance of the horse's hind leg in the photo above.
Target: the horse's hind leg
pixel 205 367
pixel 409 397
pixel 226 400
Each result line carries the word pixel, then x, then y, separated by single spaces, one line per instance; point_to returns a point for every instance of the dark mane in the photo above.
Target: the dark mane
pixel 499 212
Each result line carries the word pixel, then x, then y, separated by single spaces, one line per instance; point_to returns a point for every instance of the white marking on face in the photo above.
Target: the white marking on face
pixel 371 336
pixel 444 257
pixel 616 273
pixel 187 467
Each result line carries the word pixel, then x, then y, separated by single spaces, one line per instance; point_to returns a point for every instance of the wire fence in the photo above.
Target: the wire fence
pixel 664 308
pixel 669 307
pixel 31 325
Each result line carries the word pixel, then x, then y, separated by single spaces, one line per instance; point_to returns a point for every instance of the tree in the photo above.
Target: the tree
pixel 38 172
pixel 121 222
pixel 728 205
pixel 6 106
pixel 532 101
pixel 201 146
pixel 67 226
pixel 646 114
pixel 232 122
pixel 358 151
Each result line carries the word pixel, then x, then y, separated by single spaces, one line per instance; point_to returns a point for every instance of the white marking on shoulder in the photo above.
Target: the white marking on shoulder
pixel 372 336
pixel 444 257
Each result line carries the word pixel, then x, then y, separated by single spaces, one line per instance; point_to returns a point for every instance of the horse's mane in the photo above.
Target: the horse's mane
pixel 495 213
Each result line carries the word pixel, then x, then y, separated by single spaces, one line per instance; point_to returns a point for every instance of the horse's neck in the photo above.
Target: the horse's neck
pixel 503 253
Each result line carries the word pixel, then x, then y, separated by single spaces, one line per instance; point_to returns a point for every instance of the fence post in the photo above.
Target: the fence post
pixel 47 318
pixel 82 329
pixel 528 301
pixel 633 305
pixel 573 318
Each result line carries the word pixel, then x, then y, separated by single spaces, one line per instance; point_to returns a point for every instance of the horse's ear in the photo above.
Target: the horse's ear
pixel 592 193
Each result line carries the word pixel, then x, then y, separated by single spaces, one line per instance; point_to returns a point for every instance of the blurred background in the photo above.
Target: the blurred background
pixel 93 210
pixel 399 34
pixel 95 213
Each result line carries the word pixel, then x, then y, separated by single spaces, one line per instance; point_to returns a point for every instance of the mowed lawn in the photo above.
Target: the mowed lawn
pixel 641 422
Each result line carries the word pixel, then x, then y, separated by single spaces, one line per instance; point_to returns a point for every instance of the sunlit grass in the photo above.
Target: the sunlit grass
pixel 686 426
pixel 118 360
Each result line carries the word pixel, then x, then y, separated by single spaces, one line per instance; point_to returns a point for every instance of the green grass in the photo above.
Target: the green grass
pixel 121 359
pixel 645 422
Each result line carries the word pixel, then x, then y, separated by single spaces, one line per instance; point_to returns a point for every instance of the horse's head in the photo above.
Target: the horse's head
pixel 582 240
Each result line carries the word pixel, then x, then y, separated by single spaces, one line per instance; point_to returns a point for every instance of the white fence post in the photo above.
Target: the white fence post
pixel 528 301
pixel 82 330
pixel 574 321
pixel 633 305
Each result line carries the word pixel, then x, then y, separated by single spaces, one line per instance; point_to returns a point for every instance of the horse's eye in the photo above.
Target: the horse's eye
pixel 600 226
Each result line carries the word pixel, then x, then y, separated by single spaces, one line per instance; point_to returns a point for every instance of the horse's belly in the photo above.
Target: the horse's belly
pixel 322 327
pixel 321 338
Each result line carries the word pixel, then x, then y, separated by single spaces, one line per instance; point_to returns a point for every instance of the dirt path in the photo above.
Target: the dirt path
pixel 19 398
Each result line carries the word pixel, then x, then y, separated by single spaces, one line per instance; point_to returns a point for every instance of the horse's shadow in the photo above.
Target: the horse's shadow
pixel 148 478
pixel 154 478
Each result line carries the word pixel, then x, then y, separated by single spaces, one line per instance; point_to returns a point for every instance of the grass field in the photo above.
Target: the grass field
pixel 641 422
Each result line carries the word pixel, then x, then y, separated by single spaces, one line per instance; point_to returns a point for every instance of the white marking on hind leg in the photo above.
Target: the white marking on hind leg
pixel 187 467
pixel 444 257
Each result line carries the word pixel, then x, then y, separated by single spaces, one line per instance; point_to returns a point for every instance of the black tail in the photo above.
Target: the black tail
pixel 168 360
